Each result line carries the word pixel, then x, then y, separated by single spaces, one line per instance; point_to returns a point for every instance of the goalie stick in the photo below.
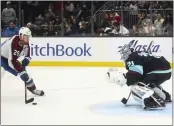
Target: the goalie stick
pixel 124 100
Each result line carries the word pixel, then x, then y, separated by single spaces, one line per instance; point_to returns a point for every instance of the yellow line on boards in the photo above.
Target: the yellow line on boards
pixel 76 63
pixel 80 64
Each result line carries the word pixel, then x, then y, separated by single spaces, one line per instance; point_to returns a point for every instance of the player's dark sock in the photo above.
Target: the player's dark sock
pixel 31 88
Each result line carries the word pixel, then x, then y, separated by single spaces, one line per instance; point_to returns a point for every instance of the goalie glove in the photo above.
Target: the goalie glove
pixel 116 76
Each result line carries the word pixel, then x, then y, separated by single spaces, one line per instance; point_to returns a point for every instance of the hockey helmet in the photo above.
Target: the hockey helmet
pixel 25 31
pixel 125 51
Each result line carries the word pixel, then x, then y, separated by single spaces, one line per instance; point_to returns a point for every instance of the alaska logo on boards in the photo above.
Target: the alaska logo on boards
pixel 150 47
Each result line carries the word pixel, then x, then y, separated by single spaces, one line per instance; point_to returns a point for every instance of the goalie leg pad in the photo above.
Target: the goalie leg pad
pixel 139 93
pixel 159 93
pixel 155 88
pixel 146 97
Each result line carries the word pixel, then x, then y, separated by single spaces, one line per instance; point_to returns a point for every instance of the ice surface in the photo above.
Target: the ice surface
pixel 75 95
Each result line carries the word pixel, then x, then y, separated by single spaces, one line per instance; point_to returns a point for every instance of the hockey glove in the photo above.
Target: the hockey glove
pixel 26 61
pixel 116 76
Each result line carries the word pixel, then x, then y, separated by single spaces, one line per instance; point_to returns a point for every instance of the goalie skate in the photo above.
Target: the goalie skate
pixel 154 102
pixel 168 96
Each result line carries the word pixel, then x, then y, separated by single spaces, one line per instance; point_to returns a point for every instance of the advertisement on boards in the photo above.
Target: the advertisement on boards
pixel 49 49
pixel 156 46
pixel 89 50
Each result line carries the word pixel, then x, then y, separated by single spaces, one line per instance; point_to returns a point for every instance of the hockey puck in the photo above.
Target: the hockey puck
pixel 34 103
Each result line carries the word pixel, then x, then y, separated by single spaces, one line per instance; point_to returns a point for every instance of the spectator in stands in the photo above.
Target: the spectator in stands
pixel 98 4
pixel 69 6
pixel 158 25
pixel 11 30
pixel 74 26
pixel 58 6
pixel 47 22
pixel 141 4
pixel 166 4
pixel 39 20
pixel 117 17
pixel 146 5
pixel 32 10
pixel 50 13
pixel 68 30
pixel 105 22
pixel 117 29
pixel 150 29
pixel 126 6
pixel 168 25
pixel 133 8
pixel 111 16
pixel 135 26
pixel 142 25
pixel 83 28
pixel 8 14
pixel 51 30
pixel 31 27
pixel 154 5
pixel 57 25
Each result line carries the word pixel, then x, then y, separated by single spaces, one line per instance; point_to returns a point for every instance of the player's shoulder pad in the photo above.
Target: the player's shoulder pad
pixel 133 55
pixel 15 39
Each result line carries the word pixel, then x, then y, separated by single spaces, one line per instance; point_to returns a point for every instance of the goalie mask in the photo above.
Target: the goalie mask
pixel 125 51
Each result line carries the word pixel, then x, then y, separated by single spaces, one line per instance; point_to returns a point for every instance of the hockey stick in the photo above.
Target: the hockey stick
pixel 124 100
pixel 29 100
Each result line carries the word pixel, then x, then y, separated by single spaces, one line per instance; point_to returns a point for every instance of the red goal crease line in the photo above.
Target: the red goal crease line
pixel 79 64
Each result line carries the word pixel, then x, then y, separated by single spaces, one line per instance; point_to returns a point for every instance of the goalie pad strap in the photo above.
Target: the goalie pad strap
pixel 139 93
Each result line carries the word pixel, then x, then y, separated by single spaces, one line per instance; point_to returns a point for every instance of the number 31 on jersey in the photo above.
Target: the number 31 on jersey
pixel 130 64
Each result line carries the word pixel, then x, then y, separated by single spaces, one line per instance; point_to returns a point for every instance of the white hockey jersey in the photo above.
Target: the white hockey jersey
pixel 12 49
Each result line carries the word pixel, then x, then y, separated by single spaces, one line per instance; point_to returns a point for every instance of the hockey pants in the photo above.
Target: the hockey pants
pixel 5 65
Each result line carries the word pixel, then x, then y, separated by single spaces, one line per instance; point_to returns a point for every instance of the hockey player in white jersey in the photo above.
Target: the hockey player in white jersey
pixel 11 50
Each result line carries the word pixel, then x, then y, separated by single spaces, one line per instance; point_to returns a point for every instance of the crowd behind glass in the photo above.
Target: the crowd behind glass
pixel 88 18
